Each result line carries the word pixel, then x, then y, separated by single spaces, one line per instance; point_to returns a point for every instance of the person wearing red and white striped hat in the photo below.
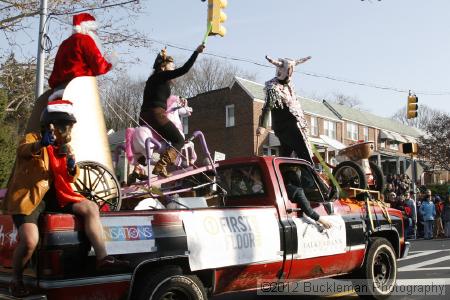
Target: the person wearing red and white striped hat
pixel 45 166
pixel 80 55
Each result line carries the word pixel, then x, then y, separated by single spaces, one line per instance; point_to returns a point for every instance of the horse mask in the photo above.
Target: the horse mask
pixel 285 66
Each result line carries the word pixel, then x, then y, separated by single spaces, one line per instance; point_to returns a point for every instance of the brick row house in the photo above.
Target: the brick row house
pixel 229 118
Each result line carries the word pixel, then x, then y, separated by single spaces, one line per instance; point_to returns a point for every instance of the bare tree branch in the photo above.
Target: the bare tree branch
pixel 346 100
pixel 434 146
pixel 425 115
pixel 208 74
pixel 122 99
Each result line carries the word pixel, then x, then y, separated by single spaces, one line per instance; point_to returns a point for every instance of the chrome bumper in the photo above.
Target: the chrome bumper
pixel 405 250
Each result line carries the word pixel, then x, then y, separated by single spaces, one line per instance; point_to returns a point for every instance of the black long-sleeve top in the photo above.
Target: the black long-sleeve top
pixel 297 195
pixel 157 88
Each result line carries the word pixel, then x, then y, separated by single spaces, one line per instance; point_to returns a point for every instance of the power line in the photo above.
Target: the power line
pixel 94 8
pixel 312 74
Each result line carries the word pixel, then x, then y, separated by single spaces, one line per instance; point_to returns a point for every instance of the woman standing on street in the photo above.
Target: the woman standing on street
pixel 428 211
pixel 153 110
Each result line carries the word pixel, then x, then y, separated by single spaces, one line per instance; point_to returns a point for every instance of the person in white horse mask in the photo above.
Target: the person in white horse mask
pixel 288 120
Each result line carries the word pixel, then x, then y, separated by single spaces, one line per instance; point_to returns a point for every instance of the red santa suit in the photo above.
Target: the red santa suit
pixel 80 54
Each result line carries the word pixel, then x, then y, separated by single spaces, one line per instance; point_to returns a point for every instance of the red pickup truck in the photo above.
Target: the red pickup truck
pixel 215 238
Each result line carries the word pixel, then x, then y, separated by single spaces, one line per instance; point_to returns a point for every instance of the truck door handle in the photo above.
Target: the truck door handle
pixel 291 210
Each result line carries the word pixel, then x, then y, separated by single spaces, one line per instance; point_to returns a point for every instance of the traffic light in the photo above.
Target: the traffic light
pixel 216 16
pixel 411 107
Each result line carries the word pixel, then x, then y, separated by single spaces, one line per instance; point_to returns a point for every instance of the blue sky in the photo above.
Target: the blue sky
pixel 403 44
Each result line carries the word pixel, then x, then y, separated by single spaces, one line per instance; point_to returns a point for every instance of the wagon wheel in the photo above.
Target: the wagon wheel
pixel 378 177
pixel 98 184
pixel 350 175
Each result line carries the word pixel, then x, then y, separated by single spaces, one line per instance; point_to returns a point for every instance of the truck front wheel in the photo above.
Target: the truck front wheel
pixel 169 283
pixel 376 279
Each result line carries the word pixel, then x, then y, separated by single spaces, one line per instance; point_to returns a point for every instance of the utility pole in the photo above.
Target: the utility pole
pixel 41 53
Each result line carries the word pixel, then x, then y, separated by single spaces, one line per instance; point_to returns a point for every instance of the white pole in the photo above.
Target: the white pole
pixel 41 52
pixel 414 179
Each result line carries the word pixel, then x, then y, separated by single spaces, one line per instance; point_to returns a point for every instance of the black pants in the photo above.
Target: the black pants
pixel 157 119
pixel 291 139
pixel 47 204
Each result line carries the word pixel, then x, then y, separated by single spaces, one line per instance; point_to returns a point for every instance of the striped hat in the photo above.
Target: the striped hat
pixel 58 110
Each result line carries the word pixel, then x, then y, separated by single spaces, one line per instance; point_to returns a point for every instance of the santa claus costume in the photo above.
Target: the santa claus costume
pixel 79 55
pixel 288 120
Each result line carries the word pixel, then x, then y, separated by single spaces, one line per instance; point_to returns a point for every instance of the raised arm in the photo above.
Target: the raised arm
pixel 172 74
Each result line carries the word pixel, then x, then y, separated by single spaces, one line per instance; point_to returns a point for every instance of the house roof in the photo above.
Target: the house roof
pixel 310 106
pixel 367 118
pixel 314 107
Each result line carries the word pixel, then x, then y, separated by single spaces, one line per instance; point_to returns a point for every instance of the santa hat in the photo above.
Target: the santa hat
pixel 83 23
pixel 58 110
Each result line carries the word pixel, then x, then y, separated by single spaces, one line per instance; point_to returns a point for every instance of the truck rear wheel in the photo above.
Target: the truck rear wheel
pixel 171 284
pixel 376 279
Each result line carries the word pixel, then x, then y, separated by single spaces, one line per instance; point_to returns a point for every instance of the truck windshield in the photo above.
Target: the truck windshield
pixel 241 180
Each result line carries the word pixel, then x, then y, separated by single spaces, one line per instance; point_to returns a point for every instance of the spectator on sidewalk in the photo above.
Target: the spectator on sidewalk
pixel 411 203
pixel 419 201
pixel 406 213
pixel 391 199
pixel 446 215
pixel 428 211
pixel 438 228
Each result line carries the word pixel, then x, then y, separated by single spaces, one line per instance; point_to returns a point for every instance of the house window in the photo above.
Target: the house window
pixel 330 128
pixel 366 133
pixel 393 145
pixel 383 144
pixel 352 131
pixel 314 128
pixel 185 124
pixel 229 112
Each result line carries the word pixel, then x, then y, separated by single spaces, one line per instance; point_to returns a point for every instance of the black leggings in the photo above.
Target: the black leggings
pixel 158 120
pixel 291 139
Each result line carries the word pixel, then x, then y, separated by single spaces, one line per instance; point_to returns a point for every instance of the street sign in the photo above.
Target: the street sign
pixel 218 156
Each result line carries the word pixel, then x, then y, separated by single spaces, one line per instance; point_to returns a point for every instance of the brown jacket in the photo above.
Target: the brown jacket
pixel 30 178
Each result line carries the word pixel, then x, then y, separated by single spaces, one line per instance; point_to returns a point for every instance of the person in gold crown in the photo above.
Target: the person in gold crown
pixel 153 110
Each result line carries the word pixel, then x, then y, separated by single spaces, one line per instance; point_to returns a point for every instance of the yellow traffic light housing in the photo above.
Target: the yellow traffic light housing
pixel 216 16
pixel 411 106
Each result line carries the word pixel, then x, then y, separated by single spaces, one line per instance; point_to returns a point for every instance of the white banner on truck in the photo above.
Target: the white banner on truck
pixel 314 241
pixel 231 237
pixel 128 234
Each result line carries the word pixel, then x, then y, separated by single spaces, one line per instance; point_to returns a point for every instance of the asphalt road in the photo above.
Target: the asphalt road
pixel 424 274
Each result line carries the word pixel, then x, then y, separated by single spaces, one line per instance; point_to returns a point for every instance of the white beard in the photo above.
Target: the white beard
pixel 96 40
